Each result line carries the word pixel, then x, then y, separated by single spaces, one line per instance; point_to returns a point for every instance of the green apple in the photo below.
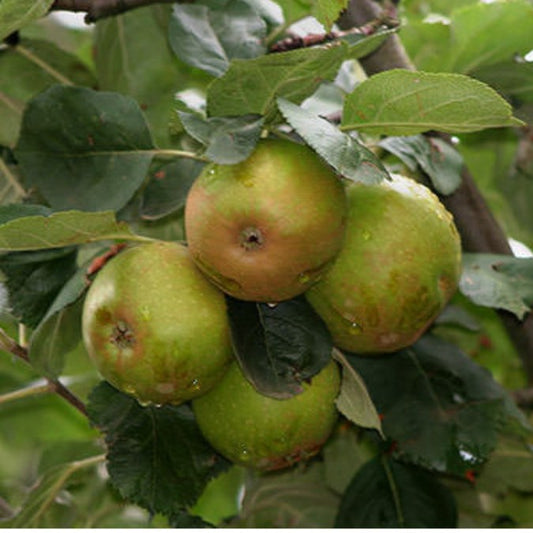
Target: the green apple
pixel 155 327
pixel 265 433
pixel 265 229
pixel 399 266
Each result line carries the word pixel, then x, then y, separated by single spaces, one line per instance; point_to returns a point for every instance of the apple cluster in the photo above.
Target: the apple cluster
pixel 377 262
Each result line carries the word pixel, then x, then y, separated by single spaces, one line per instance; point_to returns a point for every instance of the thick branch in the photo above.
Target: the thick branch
pixel 9 345
pixel 479 230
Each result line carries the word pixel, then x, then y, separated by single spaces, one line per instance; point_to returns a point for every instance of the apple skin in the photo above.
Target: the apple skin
pixel 399 266
pixel 155 327
pixel 264 433
pixel 265 229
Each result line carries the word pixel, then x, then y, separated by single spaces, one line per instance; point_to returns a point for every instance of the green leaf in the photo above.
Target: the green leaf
pixel 132 57
pixel 45 492
pixel 348 157
pixel 278 347
pixel 498 281
pixel 353 401
pixel 296 498
pixel 157 457
pixel 228 140
pixel 252 86
pixel 325 11
pixel 167 189
pixel 361 45
pixel 402 102
pixel 34 279
pixel 61 229
pixel 209 37
pixel 11 191
pixel 60 329
pixel 487 33
pixel 443 410
pixel 387 494
pixel 13 211
pixel 14 14
pixel 437 158
pixel 84 149
pixel 27 69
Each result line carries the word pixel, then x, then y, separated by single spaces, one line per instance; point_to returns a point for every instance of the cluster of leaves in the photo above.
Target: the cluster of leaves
pixel 102 150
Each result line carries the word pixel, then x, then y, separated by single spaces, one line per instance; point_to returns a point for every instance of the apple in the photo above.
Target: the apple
pixel 265 433
pixel 155 327
pixel 267 228
pixel 399 266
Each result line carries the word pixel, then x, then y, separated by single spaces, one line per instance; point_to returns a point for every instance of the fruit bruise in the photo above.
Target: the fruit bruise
pixel 266 433
pixel 267 228
pixel 399 266
pixel 155 327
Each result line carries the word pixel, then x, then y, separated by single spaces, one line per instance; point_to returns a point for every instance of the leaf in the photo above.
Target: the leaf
pixel 11 191
pixel 510 466
pixel 27 69
pixel 34 279
pixel 437 158
pixel 14 14
pixel 157 457
pixel 228 140
pixel 487 33
pixel 325 11
pixel 353 401
pixel 296 498
pixel 209 37
pixel 132 56
pixel 361 45
pixel 61 229
pixel 402 102
pixel 252 86
pixel 167 189
pixel 278 347
pixel 387 494
pixel 443 410
pixel 84 149
pixel 60 329
pixel 13 211
pixel 47 490
pixel 348 157
pixel 498 281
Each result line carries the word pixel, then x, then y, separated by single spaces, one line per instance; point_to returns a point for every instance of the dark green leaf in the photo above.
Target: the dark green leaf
pixel 183 519
pixel 252 86
pixel 228 140
pixel 36 232
pixel 167 189
pixel 403 102
pixel 437 158
pixel 279 346
pixel 13 211
pixel 14 14
pixel 499 281
pixel 388 494
pixel 157 457
pixel 347 156
pixel 26 70
pixel 361 45
pixel 84 149
pixel 443 410
pixel 209 37
pixel 34 279
pixel 132 57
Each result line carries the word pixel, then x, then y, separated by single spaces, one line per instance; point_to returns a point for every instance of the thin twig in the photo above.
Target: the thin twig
pixel 9 345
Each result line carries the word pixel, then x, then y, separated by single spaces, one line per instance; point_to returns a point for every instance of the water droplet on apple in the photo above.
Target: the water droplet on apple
pixel 129 389
pixel 144 403
pixel 303 278
pixel 194 385
pixel 366 235
pixel 355 329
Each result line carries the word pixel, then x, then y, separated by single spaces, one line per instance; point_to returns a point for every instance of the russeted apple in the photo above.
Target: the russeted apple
pixel 155 327
pixel 399 266
pixel 265 433
pixel 267 228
